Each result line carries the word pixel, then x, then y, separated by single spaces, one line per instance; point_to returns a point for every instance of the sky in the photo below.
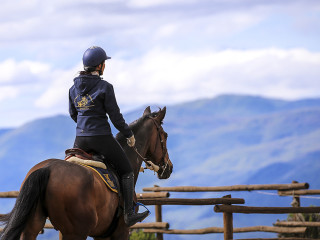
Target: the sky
pixel 163 51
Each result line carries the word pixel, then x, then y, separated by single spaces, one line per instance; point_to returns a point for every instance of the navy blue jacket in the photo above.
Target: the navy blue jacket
pixel 90 100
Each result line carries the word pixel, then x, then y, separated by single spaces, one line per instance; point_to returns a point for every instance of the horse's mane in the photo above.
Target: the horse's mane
pixel 135 125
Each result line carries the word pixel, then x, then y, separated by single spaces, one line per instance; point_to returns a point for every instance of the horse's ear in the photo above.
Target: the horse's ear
pixel 162 114
pixel 147 111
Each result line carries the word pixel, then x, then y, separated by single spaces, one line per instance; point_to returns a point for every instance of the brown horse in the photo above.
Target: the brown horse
pixel 75 199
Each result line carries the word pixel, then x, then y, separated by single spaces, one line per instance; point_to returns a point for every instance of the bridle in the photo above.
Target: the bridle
pixel 149 164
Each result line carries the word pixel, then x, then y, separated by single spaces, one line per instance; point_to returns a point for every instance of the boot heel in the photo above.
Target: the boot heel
pixel 131 219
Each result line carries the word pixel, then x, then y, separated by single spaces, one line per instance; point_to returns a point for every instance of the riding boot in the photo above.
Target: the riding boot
pixel 130 216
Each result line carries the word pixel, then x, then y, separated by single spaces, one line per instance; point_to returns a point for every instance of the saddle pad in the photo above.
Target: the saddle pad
pixel 75 159
pixel 106 176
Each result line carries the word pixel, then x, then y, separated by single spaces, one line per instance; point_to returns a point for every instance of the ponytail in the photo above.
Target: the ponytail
pixel 84 73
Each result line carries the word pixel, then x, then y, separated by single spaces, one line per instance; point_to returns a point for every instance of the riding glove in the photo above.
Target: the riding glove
pixel 131 141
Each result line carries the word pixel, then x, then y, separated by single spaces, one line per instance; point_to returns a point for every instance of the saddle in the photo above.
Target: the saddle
pixel 79 153
pixel 95 163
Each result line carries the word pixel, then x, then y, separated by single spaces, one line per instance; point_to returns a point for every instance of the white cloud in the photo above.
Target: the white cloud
pixel 8 93
pixel 57 90
pixel 167 76
pixel 156 3
pixel 15 73
pixel 7 70
pixel 39 20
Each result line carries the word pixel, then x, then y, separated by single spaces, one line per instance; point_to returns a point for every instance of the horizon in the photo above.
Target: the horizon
pixel 172 105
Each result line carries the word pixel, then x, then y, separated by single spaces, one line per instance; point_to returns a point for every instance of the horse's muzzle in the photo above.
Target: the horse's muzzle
pixel 165 170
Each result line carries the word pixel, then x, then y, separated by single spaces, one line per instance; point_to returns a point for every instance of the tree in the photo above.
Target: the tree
pixel 140 235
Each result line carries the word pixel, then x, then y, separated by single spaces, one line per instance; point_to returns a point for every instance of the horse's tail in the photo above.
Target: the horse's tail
pixel 32 191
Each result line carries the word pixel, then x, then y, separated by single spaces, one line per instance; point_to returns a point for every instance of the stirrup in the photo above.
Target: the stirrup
pixel 146 213
pixel 140 204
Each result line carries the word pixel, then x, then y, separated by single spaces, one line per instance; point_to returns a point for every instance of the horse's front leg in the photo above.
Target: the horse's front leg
pixel 74 237
pixel 122 231
pixel 102 238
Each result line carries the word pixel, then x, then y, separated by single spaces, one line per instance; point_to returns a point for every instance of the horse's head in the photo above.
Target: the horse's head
pixel 157 151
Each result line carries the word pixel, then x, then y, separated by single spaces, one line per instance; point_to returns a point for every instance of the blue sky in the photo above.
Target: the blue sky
pixel 163 51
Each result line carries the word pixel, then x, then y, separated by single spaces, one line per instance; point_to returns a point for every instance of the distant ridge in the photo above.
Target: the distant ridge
pixel 244 105
pixel 5 130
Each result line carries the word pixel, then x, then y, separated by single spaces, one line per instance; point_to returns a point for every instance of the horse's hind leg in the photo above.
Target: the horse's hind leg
pixel 34 225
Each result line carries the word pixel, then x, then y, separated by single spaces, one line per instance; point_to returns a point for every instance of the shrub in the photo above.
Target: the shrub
pixel 140 235
pixel 311 232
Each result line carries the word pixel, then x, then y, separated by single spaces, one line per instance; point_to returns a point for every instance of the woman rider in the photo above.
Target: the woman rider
pixel 91 99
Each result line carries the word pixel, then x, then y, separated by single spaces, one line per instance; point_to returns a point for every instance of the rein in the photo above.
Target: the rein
pixel 143 159
pixel 164 149
pixel 149 164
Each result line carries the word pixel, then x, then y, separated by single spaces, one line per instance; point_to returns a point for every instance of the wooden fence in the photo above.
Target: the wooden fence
pixel 228 211
pixel 283 190
pixel 159 196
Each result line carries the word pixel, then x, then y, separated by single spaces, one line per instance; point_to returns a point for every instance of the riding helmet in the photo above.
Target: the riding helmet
pixel 93 56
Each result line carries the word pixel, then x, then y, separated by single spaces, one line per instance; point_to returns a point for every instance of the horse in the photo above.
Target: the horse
pixel 75 199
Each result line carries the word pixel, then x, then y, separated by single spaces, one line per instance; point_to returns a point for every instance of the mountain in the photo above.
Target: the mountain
pixel 227 140
pixel 5 130
pixel 31 143
pixel 221 141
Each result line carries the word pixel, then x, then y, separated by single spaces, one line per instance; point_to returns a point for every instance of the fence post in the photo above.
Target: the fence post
pixel 158 215
pixel 227 223
pixel 296 203
pixel 296 199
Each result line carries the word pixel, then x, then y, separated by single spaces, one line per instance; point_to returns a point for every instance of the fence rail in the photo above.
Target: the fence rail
pixel 191 201
pixel 298 192
pixel 14 194
pixel 153 195
pixel 291 186
pixel 10 194
pixel 285 238
pixel 152 225
pixel 235 230
pixel 296 224
pixel 265 210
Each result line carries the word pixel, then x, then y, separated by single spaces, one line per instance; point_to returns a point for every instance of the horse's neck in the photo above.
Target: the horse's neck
pixel 135 160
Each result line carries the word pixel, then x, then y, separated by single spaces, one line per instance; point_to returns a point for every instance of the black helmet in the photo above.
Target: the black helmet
pixel 94 56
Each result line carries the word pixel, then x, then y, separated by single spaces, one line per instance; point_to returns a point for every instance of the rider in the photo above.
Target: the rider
pixel 91 99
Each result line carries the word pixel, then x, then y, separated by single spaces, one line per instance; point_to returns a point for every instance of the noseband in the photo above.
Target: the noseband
pixel 163 147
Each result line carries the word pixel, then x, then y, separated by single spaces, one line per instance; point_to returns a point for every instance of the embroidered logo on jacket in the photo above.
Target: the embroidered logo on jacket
pixel 83 102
